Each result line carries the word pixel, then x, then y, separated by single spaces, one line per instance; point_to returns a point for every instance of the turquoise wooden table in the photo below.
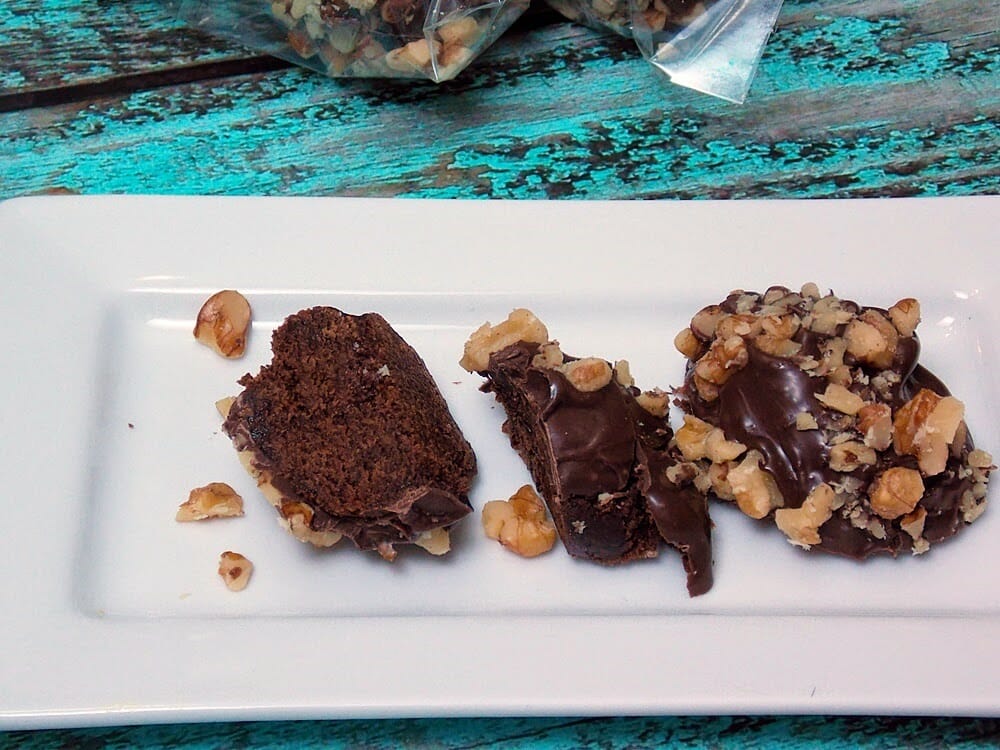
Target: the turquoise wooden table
pixel 854 98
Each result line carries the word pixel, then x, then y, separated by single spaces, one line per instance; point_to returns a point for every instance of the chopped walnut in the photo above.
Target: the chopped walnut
pixel 871 338
pixel 623 373
pixel 223 323
pixel 436 541
pixel 777 346
pixel 297 517
pixel 839 398
pixel 414 56
pixel 805 421
pixel 913 523
pixel 896 492
pixel 850 455
pixel 980 459
pixel 875 423
pixel 925 427
pixel 235 570
pixel 688 344
pixel 214 500
pixel 587 375
pixel 723 358
pixel 744 326
pixel 520 524
pixel 827 313
pixel 755 490
pixel 705 320
pixel 549 356
pixel 656 402
pixel 801 525
pixel 810 291
pixel 905 315
pixel 520 325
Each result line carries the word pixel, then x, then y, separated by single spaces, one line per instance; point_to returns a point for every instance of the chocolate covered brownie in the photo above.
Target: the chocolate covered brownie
pixel 348 435
pixel 596 447
pixel 813 411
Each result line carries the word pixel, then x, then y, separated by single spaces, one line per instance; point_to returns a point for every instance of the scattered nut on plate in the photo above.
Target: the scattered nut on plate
pixel 235 570
pixel 214 500
pixel 223 323
pixel 520 524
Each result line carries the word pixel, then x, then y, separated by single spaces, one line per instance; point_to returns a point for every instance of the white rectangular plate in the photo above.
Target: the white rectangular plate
pixel 113 613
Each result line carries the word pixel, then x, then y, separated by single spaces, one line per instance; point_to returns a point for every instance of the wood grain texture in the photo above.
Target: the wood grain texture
pixel 50 43
pixel 695 733
pixel 853 98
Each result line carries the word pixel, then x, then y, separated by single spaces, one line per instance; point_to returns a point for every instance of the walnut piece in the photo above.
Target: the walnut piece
pixel 925 427
pixel 296 518
pixel 520 325
pixel 875 423
pixel 520 524
pixel 850 455
pixel 214 500
pixel 723 358
pixel 235 570
pixel 688 344
pixel 801 525
pixel 223 323
pixel 588 375
pixel 905 315
pixel 698 439
pixel 656 402
pixel 896 492
pixel 839 398
pixel 871 338
pixel 755 491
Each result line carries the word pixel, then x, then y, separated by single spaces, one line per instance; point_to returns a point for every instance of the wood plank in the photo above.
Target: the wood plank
pixel 849 101
pixel 697 733
pixel 64 42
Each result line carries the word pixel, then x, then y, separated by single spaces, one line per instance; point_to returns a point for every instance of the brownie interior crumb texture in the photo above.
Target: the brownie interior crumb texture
pixel 347 434
pixel 596 447
pixel 813 411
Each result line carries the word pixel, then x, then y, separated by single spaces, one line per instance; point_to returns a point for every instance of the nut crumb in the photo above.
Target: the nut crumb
pixel 235 570
pixel 223 323
pixel 214 500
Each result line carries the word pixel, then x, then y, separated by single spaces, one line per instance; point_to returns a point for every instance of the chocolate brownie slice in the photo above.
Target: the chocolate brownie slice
pixel 596 447
pixel 813 411
pixel 348 434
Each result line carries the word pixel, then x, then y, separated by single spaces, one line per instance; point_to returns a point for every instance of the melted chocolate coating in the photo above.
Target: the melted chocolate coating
pixel 599 461
pixel 758 405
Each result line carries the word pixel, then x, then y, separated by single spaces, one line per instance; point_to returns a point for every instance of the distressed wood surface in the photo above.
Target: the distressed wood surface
pixel 853 98
pixel 695 733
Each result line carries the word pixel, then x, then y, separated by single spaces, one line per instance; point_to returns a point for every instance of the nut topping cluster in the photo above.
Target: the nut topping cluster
pixel 886 440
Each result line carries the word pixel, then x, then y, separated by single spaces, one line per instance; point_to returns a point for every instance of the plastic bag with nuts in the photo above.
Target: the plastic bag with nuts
pixel 433 39
pixel 712 46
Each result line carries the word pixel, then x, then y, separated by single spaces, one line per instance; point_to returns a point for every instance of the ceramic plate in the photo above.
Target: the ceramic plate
pixel 113 613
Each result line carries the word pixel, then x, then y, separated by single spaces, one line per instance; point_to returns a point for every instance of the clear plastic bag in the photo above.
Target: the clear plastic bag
pixel 433 39
pixel 712 46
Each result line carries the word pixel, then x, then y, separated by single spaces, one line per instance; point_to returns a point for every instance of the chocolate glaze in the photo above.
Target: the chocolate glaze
pixel 599 461
pixel 758 405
